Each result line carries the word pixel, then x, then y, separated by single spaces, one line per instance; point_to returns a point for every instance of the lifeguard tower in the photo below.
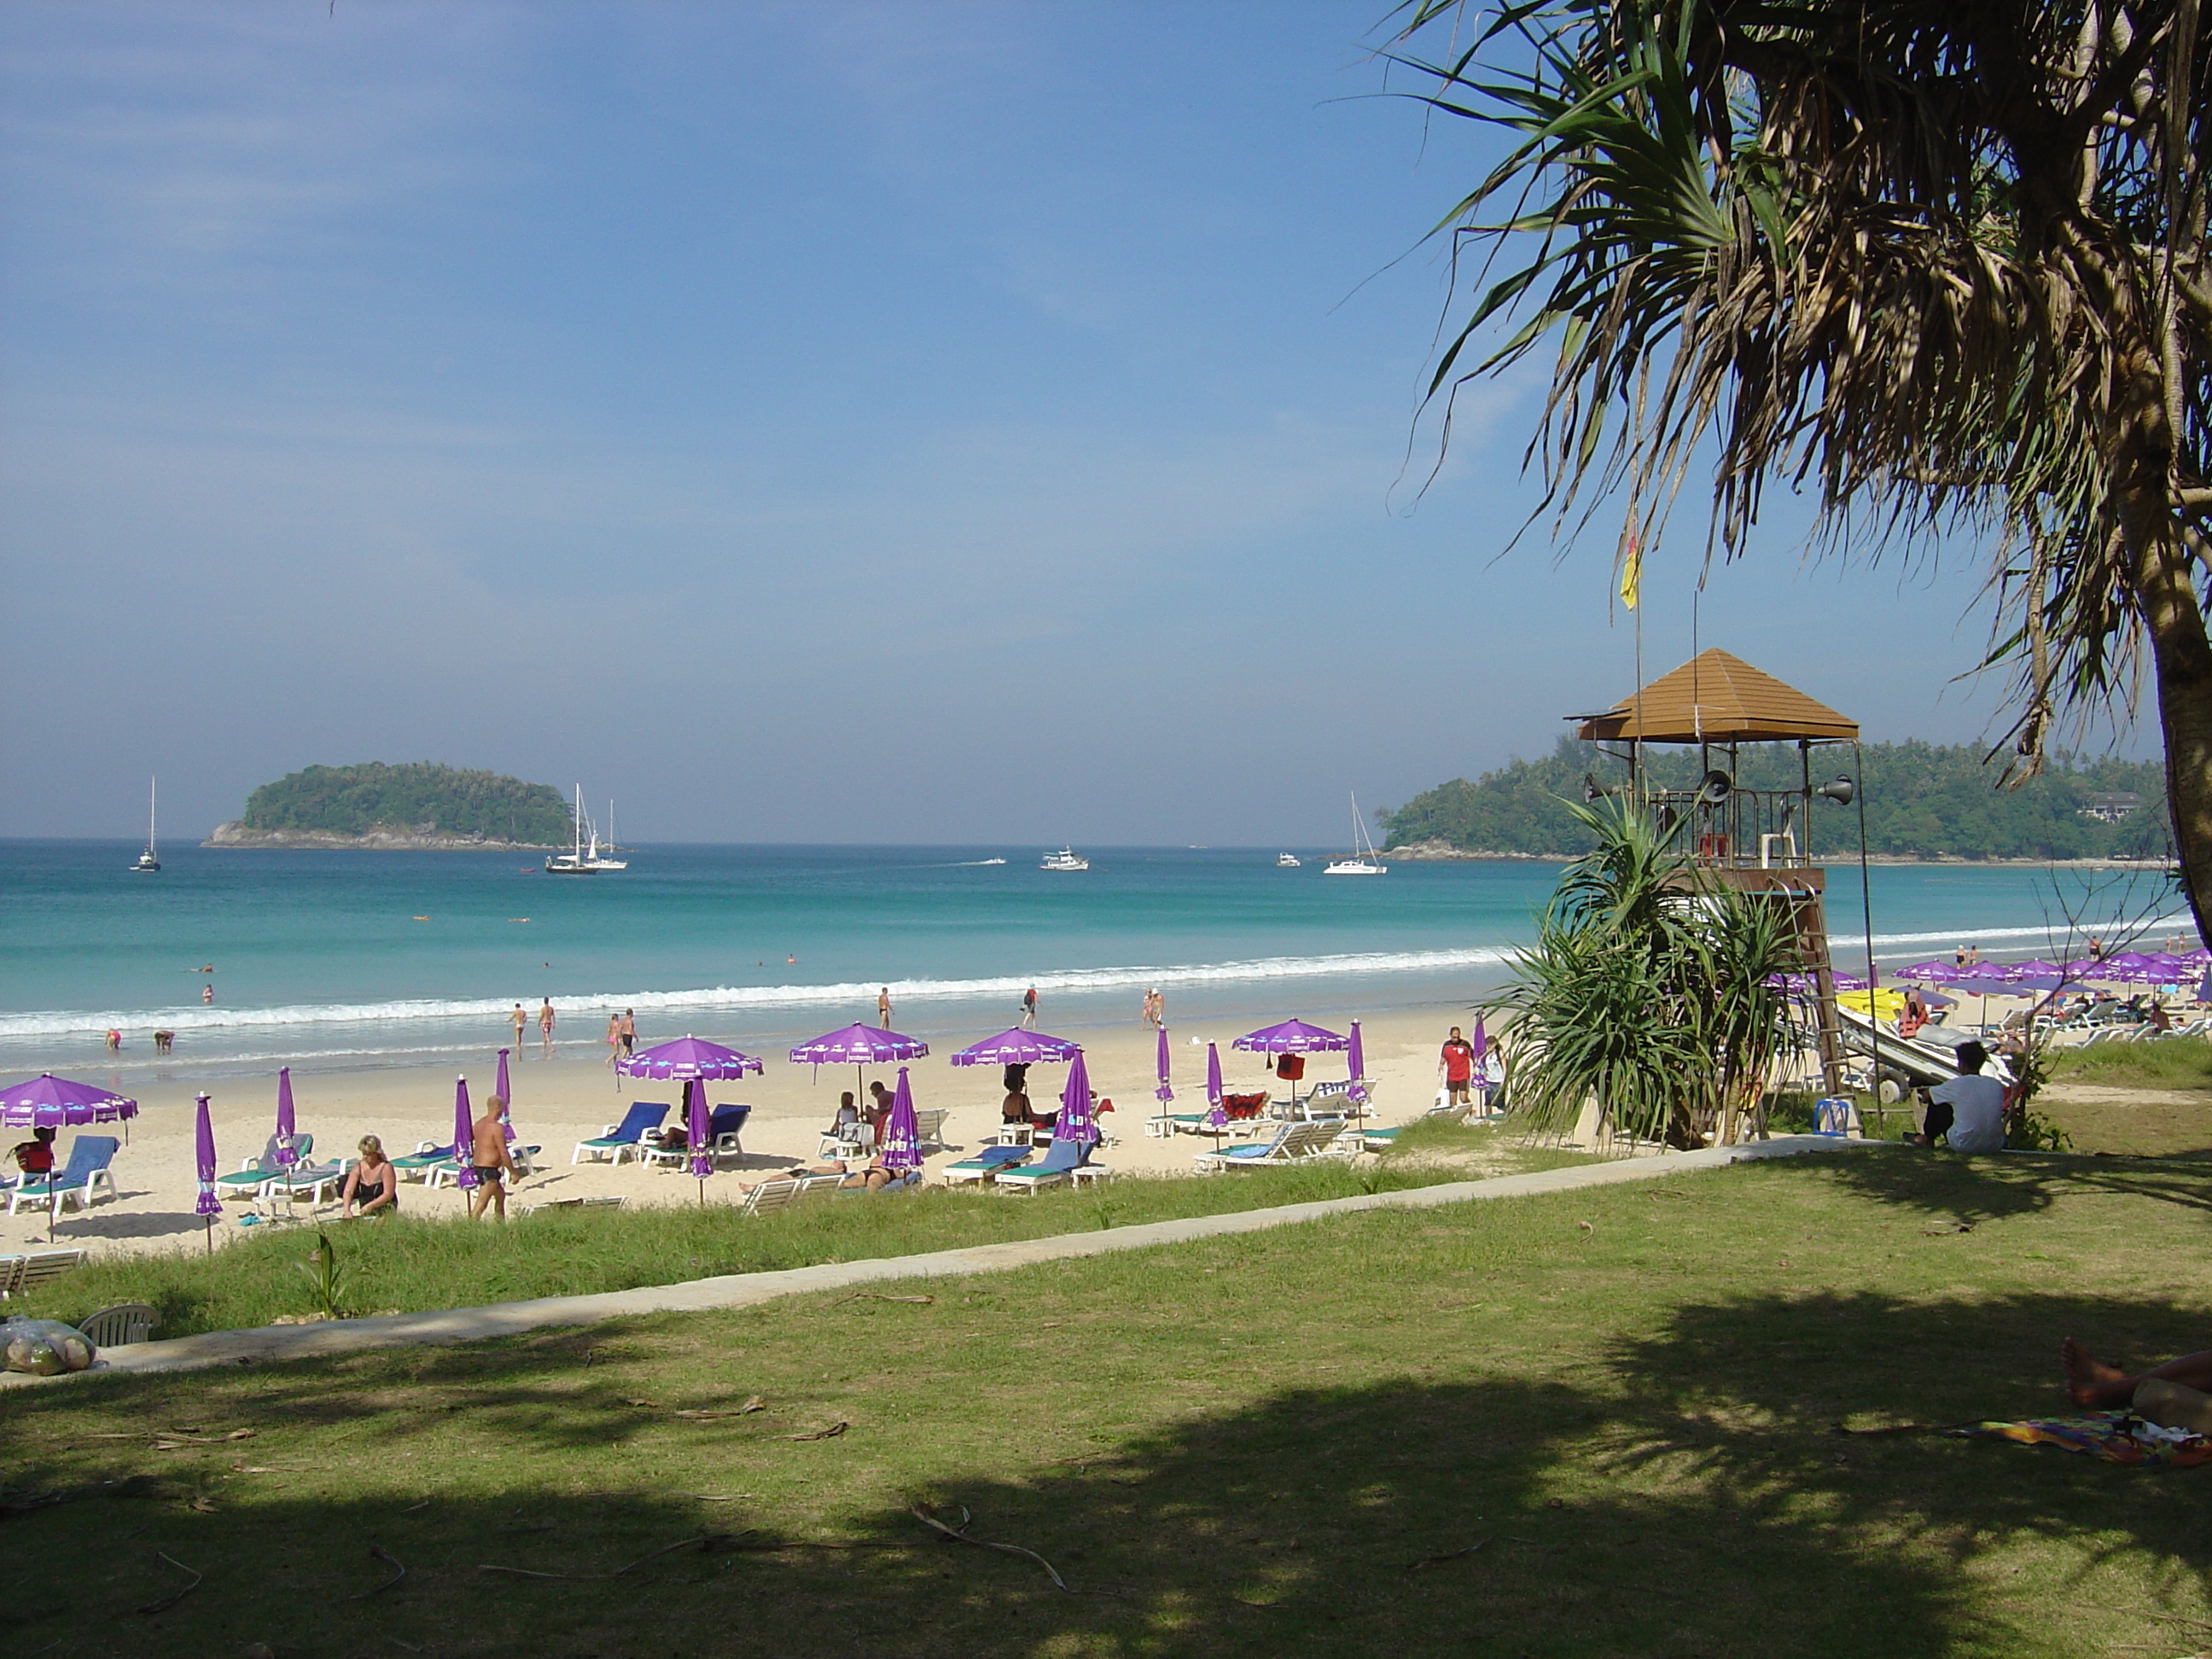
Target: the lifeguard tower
pixel 1758 841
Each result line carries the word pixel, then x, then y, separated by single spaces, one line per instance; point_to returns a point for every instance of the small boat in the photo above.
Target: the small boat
pixel 1065 858
pixel 148 865
pixel 1286 861
pixel 980 863
pixel 1363 860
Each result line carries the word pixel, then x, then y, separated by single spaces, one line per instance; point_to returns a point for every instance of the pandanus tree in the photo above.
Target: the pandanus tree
pixel 1648 991
pixel 1941 265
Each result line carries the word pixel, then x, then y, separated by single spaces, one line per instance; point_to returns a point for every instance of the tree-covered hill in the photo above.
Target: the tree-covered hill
pixel 1926 800
pixel 354 801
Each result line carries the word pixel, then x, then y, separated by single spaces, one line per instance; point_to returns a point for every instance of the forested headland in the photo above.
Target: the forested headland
pixel 418 804
pixel 1922 800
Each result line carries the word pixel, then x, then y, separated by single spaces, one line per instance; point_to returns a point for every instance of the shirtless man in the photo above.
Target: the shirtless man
pixel 520 1021
pixel 545 1029
pixel 488 1158
pixel 883 1009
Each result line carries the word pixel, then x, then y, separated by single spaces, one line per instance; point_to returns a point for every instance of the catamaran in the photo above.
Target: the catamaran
pixel 1362 861
pixel 148 865
pixel 586 859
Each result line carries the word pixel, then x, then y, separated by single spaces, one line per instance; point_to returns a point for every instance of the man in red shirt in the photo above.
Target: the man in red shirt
pixel 1457 1064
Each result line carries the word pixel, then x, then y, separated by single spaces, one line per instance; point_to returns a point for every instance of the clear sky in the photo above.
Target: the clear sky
pixel 920 422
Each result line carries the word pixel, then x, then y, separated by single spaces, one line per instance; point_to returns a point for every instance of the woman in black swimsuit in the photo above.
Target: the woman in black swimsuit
pixel 372 1183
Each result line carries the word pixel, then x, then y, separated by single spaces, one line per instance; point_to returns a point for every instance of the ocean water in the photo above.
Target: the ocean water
pixel 330 960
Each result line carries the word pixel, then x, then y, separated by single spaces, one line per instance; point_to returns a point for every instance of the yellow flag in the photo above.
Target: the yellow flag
pixel 1631 572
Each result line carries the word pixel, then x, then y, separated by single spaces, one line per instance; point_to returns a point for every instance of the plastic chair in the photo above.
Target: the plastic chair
pixel 120 1325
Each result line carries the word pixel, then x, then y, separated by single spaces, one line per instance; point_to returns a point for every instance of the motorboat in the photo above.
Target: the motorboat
pixel 1363 861
pixel 1066 858
pixel 1286 861
pixel 148 865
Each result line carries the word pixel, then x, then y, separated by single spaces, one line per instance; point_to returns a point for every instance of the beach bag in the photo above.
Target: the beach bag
pixel 45 1347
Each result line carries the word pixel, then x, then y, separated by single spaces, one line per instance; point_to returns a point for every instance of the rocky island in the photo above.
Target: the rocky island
pixel 416 807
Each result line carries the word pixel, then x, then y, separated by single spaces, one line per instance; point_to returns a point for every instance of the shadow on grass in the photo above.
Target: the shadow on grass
pixel 1693 1502
pixel 1992 1187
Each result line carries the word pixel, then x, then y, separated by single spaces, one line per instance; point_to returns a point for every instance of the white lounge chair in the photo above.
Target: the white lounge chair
pixel 82 1178
pixel 1294 1143
pixel 771 1196
pixel 39 1265
pixel 1060 1159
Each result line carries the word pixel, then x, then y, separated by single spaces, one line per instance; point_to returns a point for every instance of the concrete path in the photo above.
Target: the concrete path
pixel 276 1342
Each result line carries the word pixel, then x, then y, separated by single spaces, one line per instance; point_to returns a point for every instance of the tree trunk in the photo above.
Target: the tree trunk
pixel 2182 654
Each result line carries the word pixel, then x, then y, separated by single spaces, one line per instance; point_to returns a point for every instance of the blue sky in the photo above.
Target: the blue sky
pixel 905 422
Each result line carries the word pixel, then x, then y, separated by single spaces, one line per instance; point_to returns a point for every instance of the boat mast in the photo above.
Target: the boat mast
pixel 151 784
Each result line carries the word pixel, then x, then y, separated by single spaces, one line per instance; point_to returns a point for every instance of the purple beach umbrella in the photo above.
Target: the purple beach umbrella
pixel 1213 1074
pixel 900 1147
pixel 207 1205
pixel 47 1102
pixel 859 1046
pixel 1164 1094
pixel 286 1157
pixel 698 1129
pixel 1016 1047
pixel 687 1058
pixel 1075 1124
pixel 1355 1066
pixel 1292 1036
pixel 506 1112
pixel 464 1135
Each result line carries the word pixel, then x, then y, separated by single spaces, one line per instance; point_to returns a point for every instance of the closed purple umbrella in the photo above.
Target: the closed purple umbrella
pixel 1216 1116
pixel 506 1112
pixel 1075 1124
pixel 900 1146
pixel 47 1102
pixel 1164 1094
pixel 464 1135
pixel 207 1205
pixel 286 1157
pixel 1355 1066
pixel 699 1131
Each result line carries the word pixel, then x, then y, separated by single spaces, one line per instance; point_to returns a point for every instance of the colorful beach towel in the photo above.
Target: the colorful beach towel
pixel 2115 1436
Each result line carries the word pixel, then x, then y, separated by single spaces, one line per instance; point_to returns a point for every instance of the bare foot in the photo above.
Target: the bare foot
pixel 2091 1382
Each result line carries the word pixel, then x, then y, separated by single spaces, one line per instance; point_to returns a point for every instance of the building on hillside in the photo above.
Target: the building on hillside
pixel 2111 806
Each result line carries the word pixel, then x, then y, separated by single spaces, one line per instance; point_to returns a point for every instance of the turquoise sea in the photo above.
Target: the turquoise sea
pixel 328 960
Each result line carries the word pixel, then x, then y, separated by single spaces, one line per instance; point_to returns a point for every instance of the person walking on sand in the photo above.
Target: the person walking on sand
pixel 614 1038
pixel 1455 1064
pixel 488 1159
pixel 1029 1009
pixel 545 1029
pixel 520 1021
pixel 629 1031
pixel 883 1009
pixel 1151 1010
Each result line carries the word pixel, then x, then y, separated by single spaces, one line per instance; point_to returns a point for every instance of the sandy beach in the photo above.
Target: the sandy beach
pixel 566 1099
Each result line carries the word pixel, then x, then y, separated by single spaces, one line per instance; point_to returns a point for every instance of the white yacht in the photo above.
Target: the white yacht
pixel 1286 861
pixel 148 865
pixel 586 859
pixel 1363 861
pixel 1066 858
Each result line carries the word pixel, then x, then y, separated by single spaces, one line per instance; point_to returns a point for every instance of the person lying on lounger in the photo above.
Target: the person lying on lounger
pixel 872 1174
pixel 2175 1395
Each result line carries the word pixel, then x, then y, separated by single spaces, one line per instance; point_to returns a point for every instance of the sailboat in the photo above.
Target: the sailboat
pixel 585 859
pixel 1362 861
pixel 148 865
pixel 593 857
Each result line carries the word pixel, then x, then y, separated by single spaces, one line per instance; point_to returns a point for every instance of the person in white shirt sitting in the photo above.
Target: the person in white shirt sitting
pixel 1967 1113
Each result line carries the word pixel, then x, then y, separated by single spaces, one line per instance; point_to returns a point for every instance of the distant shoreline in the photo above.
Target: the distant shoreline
pixel 1438 852
pixel 233 836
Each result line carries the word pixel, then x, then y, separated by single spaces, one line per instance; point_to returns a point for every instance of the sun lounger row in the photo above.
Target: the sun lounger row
pixel 1009 1167
pixel 627 1139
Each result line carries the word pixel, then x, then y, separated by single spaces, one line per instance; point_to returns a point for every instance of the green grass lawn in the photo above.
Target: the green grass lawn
pixel 2178 1063
pixel 409 1264
pixel 1584 1424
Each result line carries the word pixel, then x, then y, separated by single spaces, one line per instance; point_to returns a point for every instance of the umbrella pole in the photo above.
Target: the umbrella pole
pixel 209 1223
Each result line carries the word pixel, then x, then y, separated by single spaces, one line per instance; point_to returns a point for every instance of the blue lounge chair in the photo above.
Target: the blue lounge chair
pixel 85 1173
pixel 1059 1158
pixel 621 1139
pixel 986 1165
pixel 256 1173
